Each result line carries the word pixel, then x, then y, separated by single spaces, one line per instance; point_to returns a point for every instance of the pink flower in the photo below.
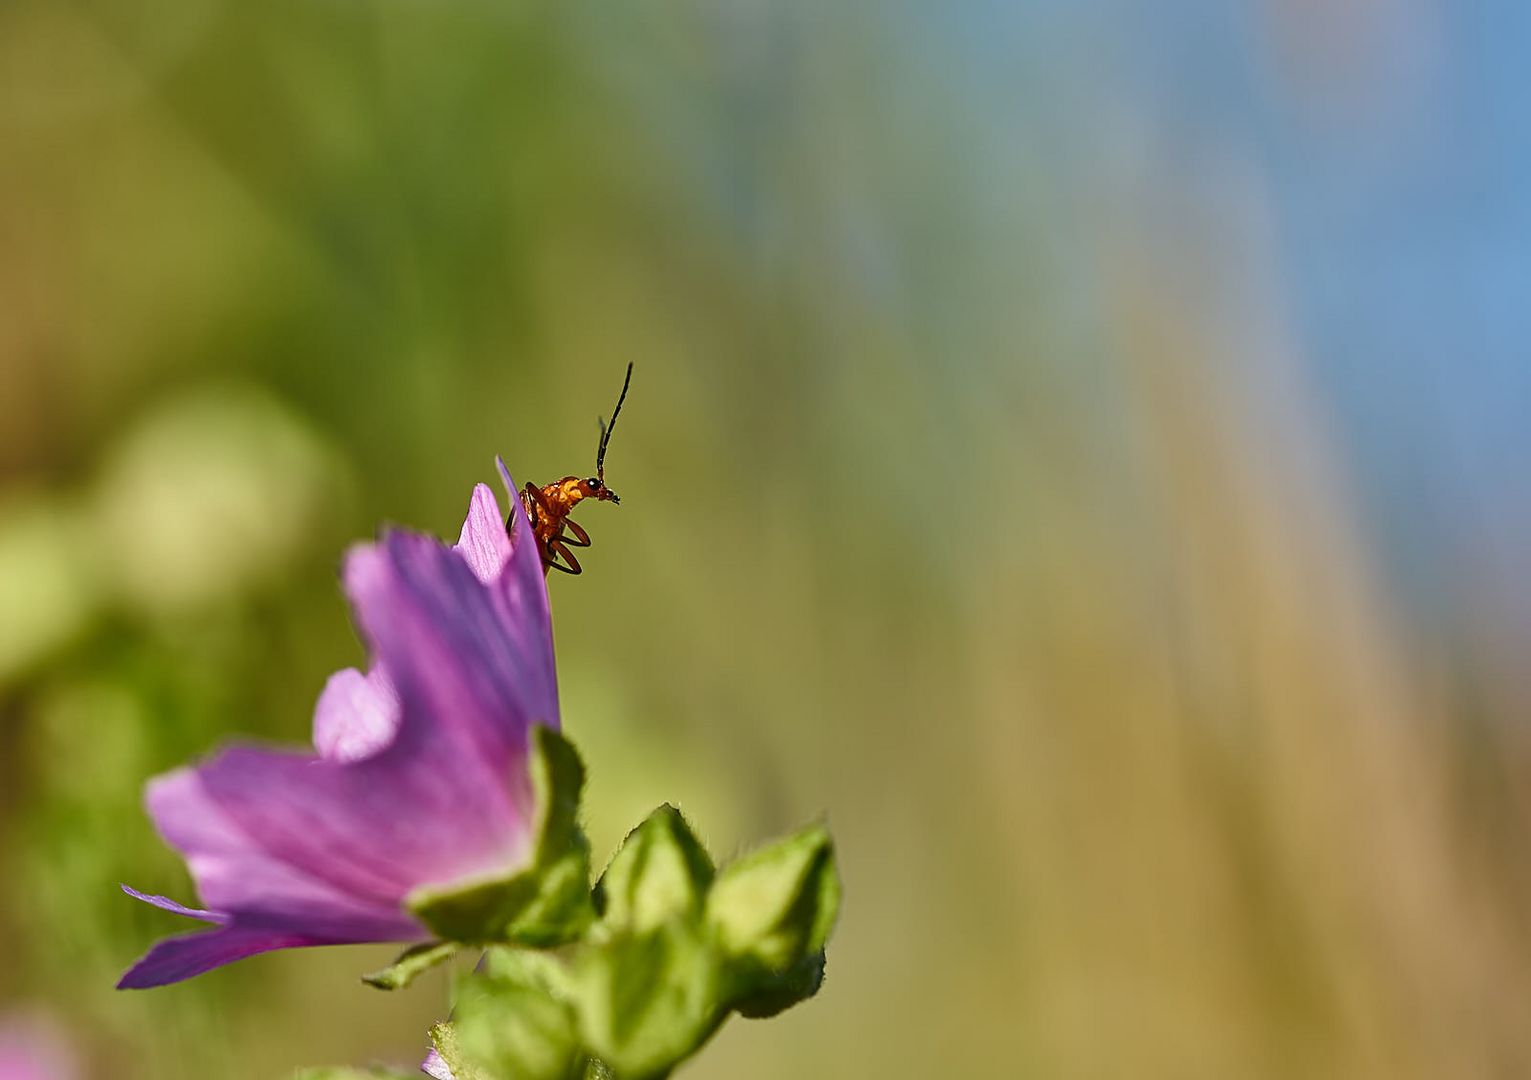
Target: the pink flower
pixel 33 1047
pixel 421 771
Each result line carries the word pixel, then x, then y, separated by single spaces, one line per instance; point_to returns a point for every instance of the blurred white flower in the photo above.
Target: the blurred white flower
pixel 208 495
pixel 47 593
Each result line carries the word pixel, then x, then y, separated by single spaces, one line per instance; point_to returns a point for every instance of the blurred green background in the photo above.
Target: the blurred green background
pixel 1072 449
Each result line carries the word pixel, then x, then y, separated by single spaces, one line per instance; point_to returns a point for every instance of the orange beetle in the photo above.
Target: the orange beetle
pixel 550 505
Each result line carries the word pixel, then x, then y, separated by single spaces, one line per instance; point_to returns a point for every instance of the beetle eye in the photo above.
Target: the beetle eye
pixel 594 484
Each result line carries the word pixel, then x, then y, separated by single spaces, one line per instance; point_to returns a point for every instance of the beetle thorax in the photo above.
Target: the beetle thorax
pixel 564 494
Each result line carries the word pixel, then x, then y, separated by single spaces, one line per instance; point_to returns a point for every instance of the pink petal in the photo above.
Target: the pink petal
pixel 309 844
pixel 357 715
pixel 484 542
pixel 34 1047
pixel 164 903
pixel 473 664
pixel 177 958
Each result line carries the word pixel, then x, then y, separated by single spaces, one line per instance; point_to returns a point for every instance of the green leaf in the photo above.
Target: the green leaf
pixel 661 870
pixel 560 909
pixel 509 1031
pixel 772 912
pixel 558 777
pixel 546 902
pixel 479 912
pixel 340 1072
pixel 410 963
pixel 647 1000
pixel 543 905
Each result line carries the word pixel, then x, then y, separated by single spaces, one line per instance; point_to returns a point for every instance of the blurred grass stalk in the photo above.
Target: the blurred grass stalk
pixel 1244 827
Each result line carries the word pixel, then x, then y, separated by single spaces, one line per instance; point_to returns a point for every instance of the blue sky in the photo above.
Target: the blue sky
pixel 1394 151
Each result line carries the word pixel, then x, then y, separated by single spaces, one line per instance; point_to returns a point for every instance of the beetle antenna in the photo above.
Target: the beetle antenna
pixel 600 454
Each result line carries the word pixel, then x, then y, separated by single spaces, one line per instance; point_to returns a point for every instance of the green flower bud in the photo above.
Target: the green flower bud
pixel 660 871
pixel 646 1000
pixel 771 913
pixel 510 1029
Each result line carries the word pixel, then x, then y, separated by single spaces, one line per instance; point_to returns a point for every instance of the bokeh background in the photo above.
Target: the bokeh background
pixel 1079 448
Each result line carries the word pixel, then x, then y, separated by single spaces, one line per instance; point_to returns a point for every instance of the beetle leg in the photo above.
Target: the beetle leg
pixel 556 548
pixel 580 538
pixel 536 506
